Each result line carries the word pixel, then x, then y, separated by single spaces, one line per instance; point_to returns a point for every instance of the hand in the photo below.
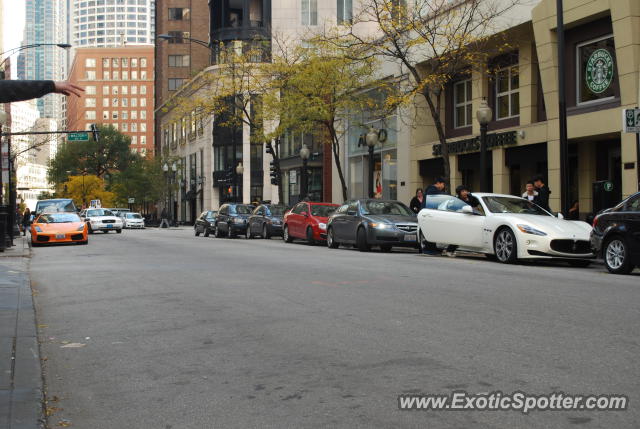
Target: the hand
pixel 68 88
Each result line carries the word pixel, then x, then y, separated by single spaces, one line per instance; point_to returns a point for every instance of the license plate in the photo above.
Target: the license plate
pixel 109 226
pixel 411 237
pixel 60 236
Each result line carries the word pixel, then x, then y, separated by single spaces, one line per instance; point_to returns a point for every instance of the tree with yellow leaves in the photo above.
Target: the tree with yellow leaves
pixel 84 188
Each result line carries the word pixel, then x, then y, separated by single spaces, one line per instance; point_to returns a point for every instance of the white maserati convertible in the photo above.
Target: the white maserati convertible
pixel 503 227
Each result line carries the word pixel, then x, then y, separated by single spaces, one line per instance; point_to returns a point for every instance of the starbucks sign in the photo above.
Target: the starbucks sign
pixel 599 71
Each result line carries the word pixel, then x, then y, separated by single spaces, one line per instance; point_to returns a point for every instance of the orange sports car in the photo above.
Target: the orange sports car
pixel 58 228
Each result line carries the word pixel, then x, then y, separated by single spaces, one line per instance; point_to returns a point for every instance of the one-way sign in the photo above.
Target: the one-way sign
pixel 631 120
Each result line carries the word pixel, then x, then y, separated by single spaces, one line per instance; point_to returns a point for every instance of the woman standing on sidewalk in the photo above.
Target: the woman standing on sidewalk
pixel 26 220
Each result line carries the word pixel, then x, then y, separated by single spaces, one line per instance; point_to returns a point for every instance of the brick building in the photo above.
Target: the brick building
pixel 119 92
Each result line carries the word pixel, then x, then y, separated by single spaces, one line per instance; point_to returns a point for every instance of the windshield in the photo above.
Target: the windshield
pixel 276 210
pixel 241 209
pixel 133 216
pixel 59 218
pixel 211 215
pixel 513 205
pixel 372 207
pixel 60 206
pixel 322 211
pixel 99 212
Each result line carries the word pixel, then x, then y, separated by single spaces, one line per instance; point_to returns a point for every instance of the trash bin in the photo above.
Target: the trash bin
pixel 4 227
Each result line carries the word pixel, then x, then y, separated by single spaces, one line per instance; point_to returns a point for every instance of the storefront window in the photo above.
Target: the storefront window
pixel 596 71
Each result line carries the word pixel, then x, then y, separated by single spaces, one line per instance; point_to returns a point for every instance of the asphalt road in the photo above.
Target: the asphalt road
pixel 176 331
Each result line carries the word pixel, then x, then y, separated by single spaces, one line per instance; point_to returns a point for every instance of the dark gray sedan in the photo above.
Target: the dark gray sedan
pixel 371 222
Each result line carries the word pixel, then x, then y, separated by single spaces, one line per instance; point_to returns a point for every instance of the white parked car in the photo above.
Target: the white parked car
pixel 133 220
pixel 101 220
pixel 503 227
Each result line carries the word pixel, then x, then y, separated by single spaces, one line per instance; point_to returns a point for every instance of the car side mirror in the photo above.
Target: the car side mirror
pixel 467 209
pixel 560 216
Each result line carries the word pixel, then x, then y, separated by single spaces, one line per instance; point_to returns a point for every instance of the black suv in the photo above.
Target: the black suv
pixel 266 220
pixel 205 224
pixel 232 219
pixel 616 236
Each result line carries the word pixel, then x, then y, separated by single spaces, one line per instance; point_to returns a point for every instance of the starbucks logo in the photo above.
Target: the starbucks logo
pixel 599 72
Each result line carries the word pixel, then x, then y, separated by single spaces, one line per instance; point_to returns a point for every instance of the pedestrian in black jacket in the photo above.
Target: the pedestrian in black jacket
pixel 542 199
pixel 435 189
pixel 20 90
pixel 417 201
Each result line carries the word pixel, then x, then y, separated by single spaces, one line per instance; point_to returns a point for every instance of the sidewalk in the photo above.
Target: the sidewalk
pixel 20 370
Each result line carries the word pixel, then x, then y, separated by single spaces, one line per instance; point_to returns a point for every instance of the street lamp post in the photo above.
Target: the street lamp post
pixel 169 175
pixel 10 52
pixel 484 115
pixel 239 172
pixel 305 153
pixel 371 139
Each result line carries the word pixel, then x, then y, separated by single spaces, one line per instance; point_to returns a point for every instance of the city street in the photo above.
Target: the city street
pixel 160 329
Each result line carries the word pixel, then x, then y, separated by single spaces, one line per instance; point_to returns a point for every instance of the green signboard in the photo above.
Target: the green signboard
pixel 78 137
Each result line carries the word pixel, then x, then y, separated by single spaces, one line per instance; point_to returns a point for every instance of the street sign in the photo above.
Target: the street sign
pixel 78 137
pixel 132 200
pixel 608 186
pixel 631 120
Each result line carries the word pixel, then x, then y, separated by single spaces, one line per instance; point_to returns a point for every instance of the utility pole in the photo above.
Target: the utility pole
pixel 562 113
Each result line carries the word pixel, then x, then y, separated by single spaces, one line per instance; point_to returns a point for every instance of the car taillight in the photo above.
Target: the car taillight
pixel 595 221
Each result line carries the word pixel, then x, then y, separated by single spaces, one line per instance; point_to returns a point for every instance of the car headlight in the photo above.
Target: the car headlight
pixel 38 229
pixel 80 228
pixel 379 225
pixel 530 230
pixel 322 226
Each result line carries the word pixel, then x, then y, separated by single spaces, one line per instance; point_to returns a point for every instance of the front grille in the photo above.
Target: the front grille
pixel 571 246
pixel 109 221
pixel 77 237
pixel 407 227
pixel 43 238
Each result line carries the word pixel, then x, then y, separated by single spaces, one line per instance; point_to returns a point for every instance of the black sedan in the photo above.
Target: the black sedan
pixel 616 236
pixel 266 221
pixel 206 223
pixel 232 220
pixel 371 222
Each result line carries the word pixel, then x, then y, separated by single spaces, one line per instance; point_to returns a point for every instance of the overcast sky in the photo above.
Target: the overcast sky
pixel 13 26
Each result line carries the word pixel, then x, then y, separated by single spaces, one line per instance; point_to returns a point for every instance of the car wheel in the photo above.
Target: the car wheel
pixel 505 246
pixel 248 235
pixel 218 233
pixel 265 232
pixel 361 240
pixel 385 248
pixel 616 256
pixel 310 240
pixel 424 245
pixel 197 232
pixel 580 263
pixel 207 231
pixel 331 242
pixel 119 231
pixel 285 234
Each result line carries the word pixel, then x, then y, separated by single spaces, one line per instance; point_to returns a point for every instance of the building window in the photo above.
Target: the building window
pixel 463 107
pixel 114 102
pixel 105 62
pixel 125 62
pixel 143 61
pixel 114 115
pixel 125 114
pixel 134 89
pixel 596 72
pixel 345 11
pixel 177 36
pixel 90 102
pixel 175 83
pixel 143 89
pixel 134 139
pixel 124 89
pixel 134 61
pixel 90 90
pixel 507 92
pixel 116 75
pixel 143 140
pixel 143 74
pixel 309 12
pixel 125 75
pixel 179 60
pixel 134 114
pixel 143 102
pixel 143 127
pixel 115 62
pixel 179 14
pixel 90 114
pixel 134 127
pixel 90 75
pixel 90 62
pixel 124 126
pixel 105 90
pixel 134 75
pixel 134 102
pixel 114 90
pixel 105 115
pixel 105 75
pixel 143 114
pixel 125 102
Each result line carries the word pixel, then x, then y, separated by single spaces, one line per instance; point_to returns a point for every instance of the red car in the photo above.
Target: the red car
pixel 307 221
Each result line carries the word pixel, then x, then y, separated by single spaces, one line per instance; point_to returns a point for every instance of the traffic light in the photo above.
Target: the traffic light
pixel 270 149
pixel 273 172
pixel 95 132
